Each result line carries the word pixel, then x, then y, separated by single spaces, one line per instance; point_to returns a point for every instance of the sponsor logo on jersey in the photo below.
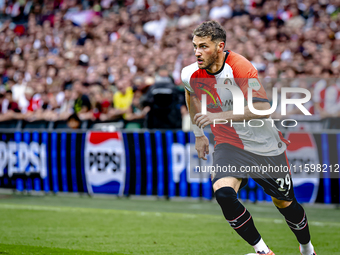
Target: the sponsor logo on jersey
pixel 218 104
pixel 228 102
pixel 254 84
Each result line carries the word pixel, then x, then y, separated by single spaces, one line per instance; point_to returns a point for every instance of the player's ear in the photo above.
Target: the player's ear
pixel 220 46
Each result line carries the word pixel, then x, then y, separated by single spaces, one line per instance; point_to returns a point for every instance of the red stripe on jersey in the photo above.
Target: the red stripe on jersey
pixel 219 98
pixel 287 142
pixel 225 134
pixel 287 162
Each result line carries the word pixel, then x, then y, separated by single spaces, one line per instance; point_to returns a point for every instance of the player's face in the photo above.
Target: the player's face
pixel 205 51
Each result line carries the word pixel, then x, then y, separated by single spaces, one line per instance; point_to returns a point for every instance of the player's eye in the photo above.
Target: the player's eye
pixel 204 46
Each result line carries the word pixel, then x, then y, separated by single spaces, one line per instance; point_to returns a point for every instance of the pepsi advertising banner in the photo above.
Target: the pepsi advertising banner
pixel 105 163
pixel 23 156
pixel 42 161
pixel 23 160
pixel 303 151
pixel 152 164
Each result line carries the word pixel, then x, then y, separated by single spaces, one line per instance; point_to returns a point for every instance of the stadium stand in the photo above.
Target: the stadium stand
pixel 63 57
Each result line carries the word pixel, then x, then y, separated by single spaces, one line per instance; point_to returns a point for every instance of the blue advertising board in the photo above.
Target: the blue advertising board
pixel 149 163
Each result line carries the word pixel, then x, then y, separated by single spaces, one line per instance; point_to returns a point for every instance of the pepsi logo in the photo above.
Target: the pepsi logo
pixel 105 162
pixel 302 153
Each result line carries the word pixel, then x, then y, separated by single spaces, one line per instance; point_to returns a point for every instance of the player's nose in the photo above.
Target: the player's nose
pixel 198 53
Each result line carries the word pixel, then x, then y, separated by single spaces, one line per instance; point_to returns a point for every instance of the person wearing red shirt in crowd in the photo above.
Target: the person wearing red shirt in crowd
pixel 32 104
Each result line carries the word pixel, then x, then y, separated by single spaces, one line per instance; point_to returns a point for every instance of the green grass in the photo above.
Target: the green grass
pixel 83 225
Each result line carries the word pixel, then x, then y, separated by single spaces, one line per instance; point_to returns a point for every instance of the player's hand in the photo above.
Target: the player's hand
pixel 202 146
pixel 204 120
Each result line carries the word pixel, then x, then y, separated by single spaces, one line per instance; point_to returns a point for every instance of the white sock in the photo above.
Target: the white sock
pixel 261 246
pixel 307 249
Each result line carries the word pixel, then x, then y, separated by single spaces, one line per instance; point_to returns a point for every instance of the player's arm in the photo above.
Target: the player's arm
pixel 202 142
pixel 193 105
pixel 220 117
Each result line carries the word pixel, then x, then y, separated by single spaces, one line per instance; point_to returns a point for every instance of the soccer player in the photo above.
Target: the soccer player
pixel 239 145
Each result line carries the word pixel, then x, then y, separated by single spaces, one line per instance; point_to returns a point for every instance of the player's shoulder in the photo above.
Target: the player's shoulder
pixel 240 64
pixel 188 71
pixel 236 58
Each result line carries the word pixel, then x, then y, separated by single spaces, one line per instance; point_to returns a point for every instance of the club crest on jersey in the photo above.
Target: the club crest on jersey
pixel 228 81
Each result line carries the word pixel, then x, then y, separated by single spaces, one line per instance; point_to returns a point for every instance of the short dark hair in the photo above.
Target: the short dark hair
pixel 212 29
pixel 73 116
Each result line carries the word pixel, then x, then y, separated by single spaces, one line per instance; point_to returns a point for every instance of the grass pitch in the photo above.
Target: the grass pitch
pixel 83 225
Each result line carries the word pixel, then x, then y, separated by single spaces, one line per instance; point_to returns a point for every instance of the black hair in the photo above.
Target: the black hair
pixel 73 116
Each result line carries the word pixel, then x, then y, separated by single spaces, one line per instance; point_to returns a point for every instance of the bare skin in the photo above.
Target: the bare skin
pixel 210 56
pixel 235 183
pixel 227 182
pixel 201 143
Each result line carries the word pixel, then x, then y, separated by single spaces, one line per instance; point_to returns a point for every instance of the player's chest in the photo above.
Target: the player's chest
pixel 217 98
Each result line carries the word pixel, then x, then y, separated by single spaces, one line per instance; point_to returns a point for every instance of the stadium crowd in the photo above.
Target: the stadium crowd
pixel 97 60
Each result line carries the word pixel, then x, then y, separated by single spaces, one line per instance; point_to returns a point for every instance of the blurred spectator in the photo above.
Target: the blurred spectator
pixel 67 105
pixel 164 101
pixel 295 20
pixel 136 114
pixel 220 11
pixel 327 100
pixel 2 99
pixel 122 100
pixel 50 49
pixel 8 104
pixel 73 121
pixel 82 102
pixel 29 103
pixel 100 104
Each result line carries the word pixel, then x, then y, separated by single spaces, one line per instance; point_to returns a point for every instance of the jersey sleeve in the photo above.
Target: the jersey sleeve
pixel 186 74
pixel 246 77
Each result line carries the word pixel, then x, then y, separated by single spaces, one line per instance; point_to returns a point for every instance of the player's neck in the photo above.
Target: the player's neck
pixel 218 63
